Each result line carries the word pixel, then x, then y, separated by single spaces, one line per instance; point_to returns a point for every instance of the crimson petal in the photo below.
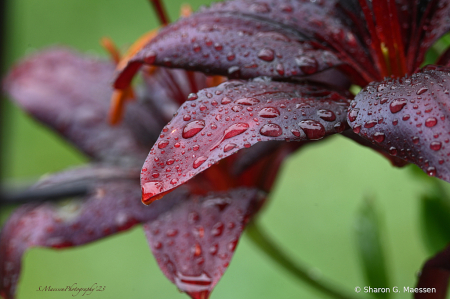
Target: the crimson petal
pixel 435 274
pixel 112 206
pixel 193 243
pixel 409 118
pixel 71 93
pixel 232 44
pixel 236 115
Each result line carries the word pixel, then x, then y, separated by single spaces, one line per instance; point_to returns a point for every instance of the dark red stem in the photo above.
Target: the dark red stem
pixel 160 12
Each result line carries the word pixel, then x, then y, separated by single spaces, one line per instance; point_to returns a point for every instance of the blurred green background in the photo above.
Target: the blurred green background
pixel 315 212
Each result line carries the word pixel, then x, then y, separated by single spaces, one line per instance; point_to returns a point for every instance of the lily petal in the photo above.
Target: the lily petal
pixel 112 206
pixel 217 122
pixel 409 118
pixel 70 93
pixel 194 243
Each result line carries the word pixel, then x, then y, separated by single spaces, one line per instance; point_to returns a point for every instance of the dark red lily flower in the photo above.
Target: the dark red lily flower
pixel 193 233
pixel 272 45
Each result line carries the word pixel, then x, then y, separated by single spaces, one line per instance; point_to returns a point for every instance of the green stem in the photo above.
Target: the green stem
pixel 300 272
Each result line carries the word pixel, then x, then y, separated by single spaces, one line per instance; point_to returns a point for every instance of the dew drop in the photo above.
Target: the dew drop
pixel 379 137
pixel 326 115
pixel 370 124
pixel 353 114
pixel 186 117
pixel 269 112
pixel 435 145
pixel 235 129
pixel 229 147
pixel 199 161
pixel 247 101
pixel 192 97
pixel 237 108
pixel 149 190
pixel 393 151
pixel 397 105
pixel 163 144
pixel 266 54
pixel 150 57
pixel 308 65
pixel 192 128
pixel 422 90
pixel 313 129
pixel 431 171
pixel 271 130
pixel 226 100
pixel 430 122
pixel 217 229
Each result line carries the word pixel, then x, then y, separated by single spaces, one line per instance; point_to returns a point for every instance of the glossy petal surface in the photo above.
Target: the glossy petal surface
pixel 112 206
pixel 219 121
pixel 234 44
pixel 71 93
pixel 409 118
pixel 193 244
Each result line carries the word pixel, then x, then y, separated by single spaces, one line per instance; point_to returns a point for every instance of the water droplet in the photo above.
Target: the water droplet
pixel 313 129
pixel 186 117
pixel 422 90
pixel 393 151
pixel 196 286
pixel 339 127
pixel 326 115
pixel 237 108
pixel 378 137
pixel 192 128
pixel 231 56
pixel 280 69
pixel 192 97
pixel 271 130
pixel 397 105
pixel 235 129
pixel 266 54
pixel 247 101
pixel 232 245
pixel 415 140
pixel 172 232
pixel 297 133
pixel 353 114
pixel 170 161
pixel 149 190
pixel 370 124
pixel 406 117
pixel 214 249
pixel 435 145
pixel 269 112
pixel 196 147
pixel 163 144
pixel 431 171
pixel 199 161
pixel 357 129
pixel 308 65
pixel 150 57
pixel 226 100
pixel 217 229
pixel 383 100
pixel 229 147
pixel 430 122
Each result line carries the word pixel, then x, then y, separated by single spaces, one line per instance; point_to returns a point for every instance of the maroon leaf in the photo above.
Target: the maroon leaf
pixel 234 45
pixel 112 206
pixel 71 93
pixel 409 118
pixel 193 243
pixel 435 274
pixel 217 122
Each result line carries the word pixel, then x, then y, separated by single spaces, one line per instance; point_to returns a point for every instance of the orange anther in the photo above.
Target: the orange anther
pixel 136 47
pixel 111 48
pixel 185 10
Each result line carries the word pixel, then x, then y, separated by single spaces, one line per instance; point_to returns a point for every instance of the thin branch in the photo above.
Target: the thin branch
pixel 44 194
pixel 301 272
